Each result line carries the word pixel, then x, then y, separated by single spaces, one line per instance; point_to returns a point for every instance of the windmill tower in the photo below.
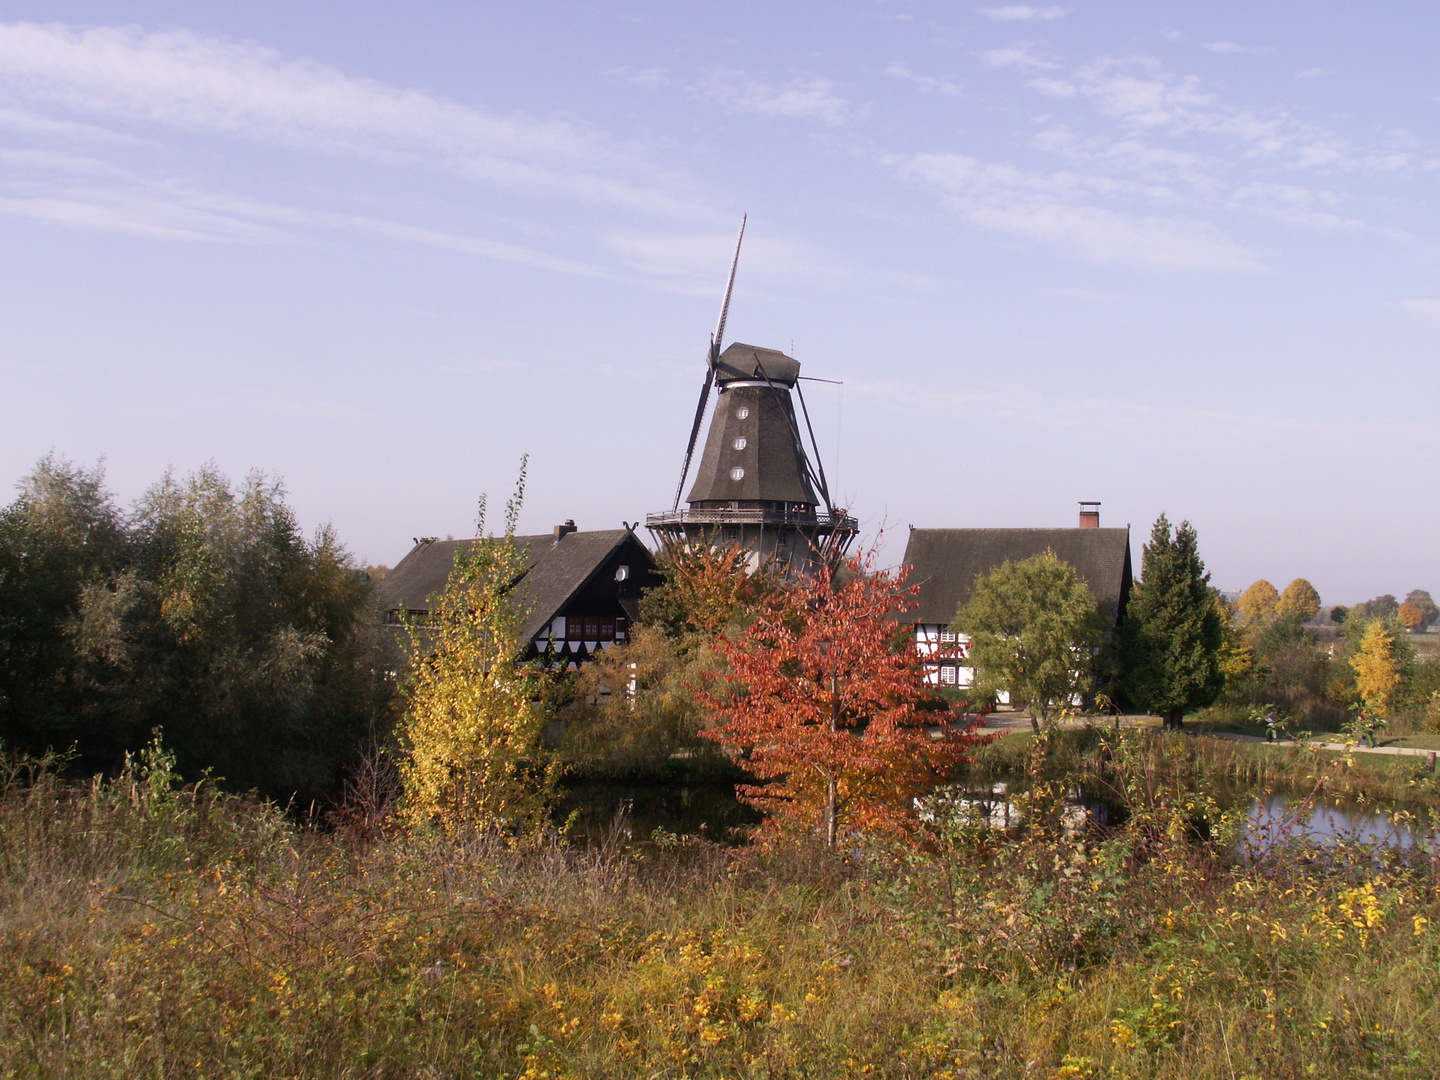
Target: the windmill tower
pixel 755 486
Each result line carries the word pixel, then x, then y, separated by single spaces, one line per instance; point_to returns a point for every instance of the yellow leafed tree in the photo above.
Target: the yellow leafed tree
pixel 1376 675
pixel 1257 603
pixel 1300 601
pixel 475 713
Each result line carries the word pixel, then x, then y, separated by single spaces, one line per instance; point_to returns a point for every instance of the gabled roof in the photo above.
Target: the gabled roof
pixel 946 562
pixel 558 569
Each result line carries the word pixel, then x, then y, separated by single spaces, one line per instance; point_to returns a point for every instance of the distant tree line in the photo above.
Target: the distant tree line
pixel 202 612
pixel 1372 673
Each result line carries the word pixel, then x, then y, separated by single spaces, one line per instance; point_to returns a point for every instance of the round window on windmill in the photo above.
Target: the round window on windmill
pixel 737 473
pixel 739 444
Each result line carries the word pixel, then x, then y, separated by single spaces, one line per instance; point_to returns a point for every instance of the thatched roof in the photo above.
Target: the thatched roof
pixel 558 569
pixel 946 562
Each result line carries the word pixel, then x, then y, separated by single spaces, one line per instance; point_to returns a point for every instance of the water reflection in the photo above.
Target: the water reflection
pixel 1272 820
pixel 1275 820
pixel 631 812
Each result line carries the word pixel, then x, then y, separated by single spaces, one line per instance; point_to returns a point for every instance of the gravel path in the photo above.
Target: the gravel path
pixel 1408 751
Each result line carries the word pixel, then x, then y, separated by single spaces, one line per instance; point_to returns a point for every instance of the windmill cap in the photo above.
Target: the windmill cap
pixel 748 362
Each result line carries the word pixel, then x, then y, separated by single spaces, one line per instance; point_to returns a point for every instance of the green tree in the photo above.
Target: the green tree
pixel 259 651
pixel 634 706
pixel 1300 602
pixel 1257 603
pixel 62 536
pixel 1034 628
pixel 206 612
pixel 1173 633
pixel 638 700
pixel 474 712
pixel 1381 607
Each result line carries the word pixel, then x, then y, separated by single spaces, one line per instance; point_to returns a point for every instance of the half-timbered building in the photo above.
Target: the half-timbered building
pixel 945 564
pixel 581 589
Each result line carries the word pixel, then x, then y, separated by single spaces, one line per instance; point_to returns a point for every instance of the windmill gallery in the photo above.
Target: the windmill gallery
pixel 759 487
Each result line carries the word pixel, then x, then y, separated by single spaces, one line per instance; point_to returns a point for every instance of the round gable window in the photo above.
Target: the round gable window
pixel 739 444
pixel 741 413
pixel 737 473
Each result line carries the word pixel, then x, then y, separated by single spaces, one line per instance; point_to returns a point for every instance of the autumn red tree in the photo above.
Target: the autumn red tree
pixel 821 703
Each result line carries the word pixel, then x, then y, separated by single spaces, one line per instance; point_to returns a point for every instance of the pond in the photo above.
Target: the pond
pixel 632 811
pixel 1277 819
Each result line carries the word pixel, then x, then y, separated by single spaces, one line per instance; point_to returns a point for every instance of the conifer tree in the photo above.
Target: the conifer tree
pixel 1173 631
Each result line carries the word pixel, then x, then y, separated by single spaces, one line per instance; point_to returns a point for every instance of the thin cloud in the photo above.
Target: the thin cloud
pixel 1425 309
pixel 1141 95
pixel 704 257
pixel 81 192
pixel 1062 209
pixel 1021 13
pixel 1230 48
pixel 1086 296
pixel 1021 56
pixel 1035 404
pixel 217 87
pixel 1056 88
pixel 1174 145
pixel 135 217
pixel 333 410
pixel 1314 73
pixel 649 78
pixel 1296 205
pixel 928 84
pixel 807 98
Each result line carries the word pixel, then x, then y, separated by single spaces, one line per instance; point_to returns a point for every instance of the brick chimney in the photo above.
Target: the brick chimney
pixel 1089 515
pixel 566 529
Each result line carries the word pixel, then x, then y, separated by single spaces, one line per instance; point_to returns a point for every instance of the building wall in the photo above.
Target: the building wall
pixel 944 651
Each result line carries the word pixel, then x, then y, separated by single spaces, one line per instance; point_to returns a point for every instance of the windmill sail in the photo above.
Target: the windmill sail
pixel 755 485
pixel 711 359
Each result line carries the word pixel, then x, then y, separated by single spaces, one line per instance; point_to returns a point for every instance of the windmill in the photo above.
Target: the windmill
pixel 756 485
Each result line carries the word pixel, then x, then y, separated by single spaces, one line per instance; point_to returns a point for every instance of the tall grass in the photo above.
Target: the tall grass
pixel 157 931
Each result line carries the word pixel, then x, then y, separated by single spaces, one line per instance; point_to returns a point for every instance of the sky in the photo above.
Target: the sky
pixel 1176 258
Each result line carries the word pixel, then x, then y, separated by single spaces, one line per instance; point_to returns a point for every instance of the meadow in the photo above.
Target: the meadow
pixel 155 929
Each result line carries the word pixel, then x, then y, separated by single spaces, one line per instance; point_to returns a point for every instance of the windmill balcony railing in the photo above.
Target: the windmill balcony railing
pixel 802 519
